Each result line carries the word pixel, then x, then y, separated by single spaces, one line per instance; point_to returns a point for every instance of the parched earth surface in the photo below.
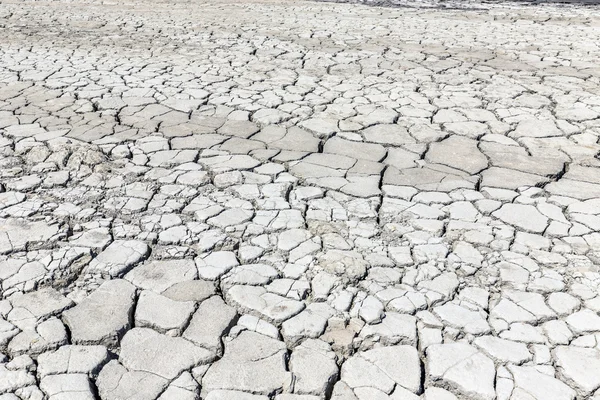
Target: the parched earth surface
pixel 252 200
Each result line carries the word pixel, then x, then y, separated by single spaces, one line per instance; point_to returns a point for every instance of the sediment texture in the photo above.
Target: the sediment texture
pixel 285 200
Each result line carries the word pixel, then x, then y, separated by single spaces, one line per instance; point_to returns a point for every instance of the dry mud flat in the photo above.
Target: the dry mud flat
pixel 473 5
pixel 298 201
